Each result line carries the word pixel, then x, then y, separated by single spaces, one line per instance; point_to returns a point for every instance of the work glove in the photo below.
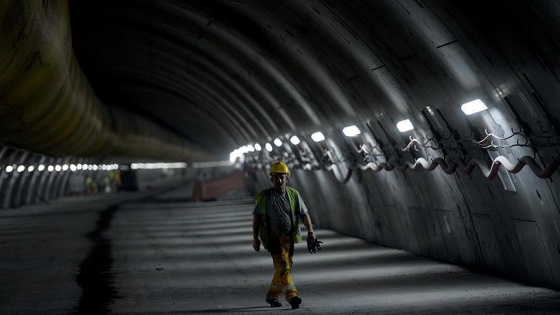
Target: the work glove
pixel 313 245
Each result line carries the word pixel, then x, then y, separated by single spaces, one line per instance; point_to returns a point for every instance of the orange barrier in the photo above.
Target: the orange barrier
pixel 211 189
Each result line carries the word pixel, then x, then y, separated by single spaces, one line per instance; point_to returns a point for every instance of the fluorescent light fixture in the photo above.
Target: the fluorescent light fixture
pixel 258 147
pixel 351 131
pixel 473 107
pixel 277 142
pixel 318 136
pixel 294 140
pixel 161 165
pixel 268 147
pixel 404 125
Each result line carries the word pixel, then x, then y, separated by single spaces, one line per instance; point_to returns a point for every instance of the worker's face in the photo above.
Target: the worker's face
pixel 279 181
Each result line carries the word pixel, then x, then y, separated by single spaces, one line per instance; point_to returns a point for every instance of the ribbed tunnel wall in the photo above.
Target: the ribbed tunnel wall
pixel 47 104
pixel 464 219
pixel 484 190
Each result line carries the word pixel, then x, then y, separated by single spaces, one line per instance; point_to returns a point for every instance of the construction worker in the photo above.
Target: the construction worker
pixel 278 212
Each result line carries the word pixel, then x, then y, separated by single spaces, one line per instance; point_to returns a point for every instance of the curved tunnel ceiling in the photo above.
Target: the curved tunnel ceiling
pixel 223 74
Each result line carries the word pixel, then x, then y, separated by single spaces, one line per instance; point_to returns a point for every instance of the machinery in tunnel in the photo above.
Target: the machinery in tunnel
pixel 429 126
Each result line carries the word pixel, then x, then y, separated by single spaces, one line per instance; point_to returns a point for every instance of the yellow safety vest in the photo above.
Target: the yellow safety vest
pixel 260 202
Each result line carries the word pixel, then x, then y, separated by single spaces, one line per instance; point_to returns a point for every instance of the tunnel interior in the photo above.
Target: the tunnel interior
pixel 429 126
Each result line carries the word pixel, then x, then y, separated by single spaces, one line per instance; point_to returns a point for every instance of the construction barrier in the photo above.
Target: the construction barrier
pixel 212 189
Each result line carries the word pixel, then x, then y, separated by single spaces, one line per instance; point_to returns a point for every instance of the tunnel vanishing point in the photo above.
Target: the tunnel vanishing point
pixel 425 125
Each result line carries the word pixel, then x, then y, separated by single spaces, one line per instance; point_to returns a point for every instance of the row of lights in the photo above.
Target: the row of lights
pixel 89 167
pixel 60 168
pixel 351 131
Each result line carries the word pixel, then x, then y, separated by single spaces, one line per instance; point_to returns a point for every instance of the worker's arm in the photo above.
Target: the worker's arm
pixel 306 219
pixel 256 226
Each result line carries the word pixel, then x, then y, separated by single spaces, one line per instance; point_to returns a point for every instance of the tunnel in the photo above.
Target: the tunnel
pixel 423 136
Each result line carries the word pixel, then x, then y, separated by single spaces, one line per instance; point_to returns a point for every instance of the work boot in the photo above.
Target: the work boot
pixel 295 302
pixel 273 302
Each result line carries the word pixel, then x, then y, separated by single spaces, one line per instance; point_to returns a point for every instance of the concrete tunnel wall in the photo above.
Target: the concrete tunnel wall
pixel 464 219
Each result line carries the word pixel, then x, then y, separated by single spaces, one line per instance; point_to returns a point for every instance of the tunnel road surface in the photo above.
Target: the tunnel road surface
pixel 139 253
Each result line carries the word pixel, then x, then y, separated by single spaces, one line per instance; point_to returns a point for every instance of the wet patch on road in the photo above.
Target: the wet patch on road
pixel 95 277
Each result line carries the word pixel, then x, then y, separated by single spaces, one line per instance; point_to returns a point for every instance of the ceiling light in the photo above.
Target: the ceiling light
pixel 268 147
pixel 258 147
pixel 473 107
pixel 294 140
pixel 277 142
pixel 318 136
pixel 251 148
pixel 404 125
pixel 351 131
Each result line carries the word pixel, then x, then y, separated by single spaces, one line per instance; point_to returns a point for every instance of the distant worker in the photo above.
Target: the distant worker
pixel 276 223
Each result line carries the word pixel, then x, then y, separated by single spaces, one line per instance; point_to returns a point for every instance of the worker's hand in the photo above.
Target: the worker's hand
pixel 313 245
pixel 256 244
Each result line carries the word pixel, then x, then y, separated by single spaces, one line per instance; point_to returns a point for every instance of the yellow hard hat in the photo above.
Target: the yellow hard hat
pixel 279 167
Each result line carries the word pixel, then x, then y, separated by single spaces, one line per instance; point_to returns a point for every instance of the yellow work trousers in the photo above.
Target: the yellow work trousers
pixel 282 251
